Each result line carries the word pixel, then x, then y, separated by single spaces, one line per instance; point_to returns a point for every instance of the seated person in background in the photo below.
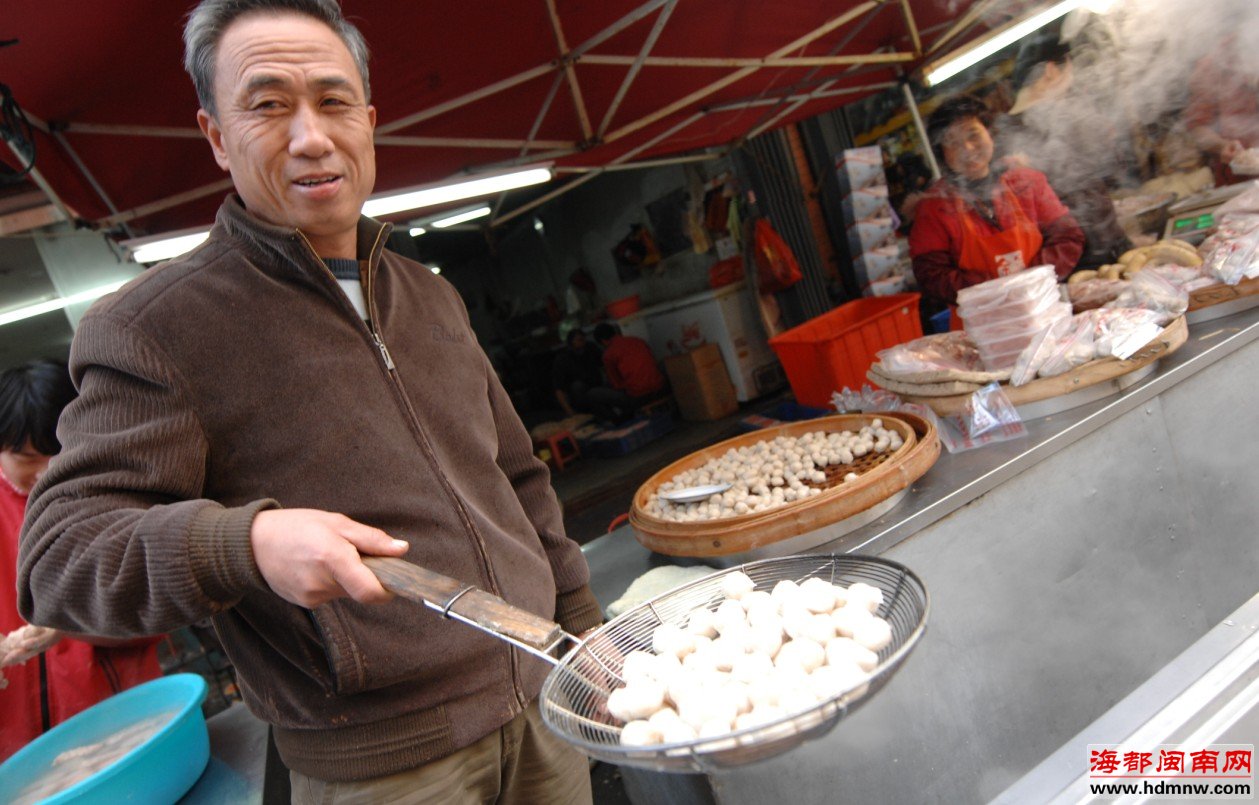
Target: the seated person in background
pixel 1223 110
pixel 981 221
pixel 1055 126
pixel 49 676
pixel 629 364
pixel 578 380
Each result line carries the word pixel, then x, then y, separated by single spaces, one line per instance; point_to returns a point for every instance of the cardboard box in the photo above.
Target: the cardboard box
pixel 871 234
pixel 858 168
pixel 868 202
pixel 700 383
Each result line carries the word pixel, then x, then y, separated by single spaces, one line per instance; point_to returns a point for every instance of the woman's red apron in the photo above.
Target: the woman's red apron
pixel 996 254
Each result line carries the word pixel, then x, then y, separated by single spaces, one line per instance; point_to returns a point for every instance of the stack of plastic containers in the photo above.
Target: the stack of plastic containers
pixel 1002 316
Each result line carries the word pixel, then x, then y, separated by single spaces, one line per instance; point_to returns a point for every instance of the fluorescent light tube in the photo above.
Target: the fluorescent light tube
pixel 416 231
pixel 998 40
pixel 57 304
pixel 470 215
pixel 155 251
pixel 446 192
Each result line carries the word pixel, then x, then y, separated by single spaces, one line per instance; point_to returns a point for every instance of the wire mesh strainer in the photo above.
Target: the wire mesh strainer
pixel 574 697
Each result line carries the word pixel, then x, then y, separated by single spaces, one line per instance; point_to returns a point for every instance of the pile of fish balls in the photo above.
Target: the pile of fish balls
pixel 773 473
pixel 756 657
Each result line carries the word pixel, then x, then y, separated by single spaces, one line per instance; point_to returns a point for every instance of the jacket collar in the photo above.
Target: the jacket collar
pixel 269 241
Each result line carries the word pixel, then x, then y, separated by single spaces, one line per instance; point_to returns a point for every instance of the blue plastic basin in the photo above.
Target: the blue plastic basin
pixel 161 770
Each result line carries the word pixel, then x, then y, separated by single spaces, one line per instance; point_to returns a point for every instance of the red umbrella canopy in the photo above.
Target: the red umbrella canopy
pixel 459 87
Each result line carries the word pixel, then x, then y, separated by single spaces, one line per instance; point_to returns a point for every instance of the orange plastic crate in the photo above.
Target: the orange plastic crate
pixel 834 350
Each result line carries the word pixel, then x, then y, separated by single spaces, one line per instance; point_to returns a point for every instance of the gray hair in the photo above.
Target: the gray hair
pixel 208 21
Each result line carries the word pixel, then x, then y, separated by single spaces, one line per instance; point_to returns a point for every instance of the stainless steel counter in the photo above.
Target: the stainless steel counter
pixel 1065 569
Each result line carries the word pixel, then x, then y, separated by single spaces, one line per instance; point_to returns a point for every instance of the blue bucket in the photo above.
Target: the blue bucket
pixel 160 770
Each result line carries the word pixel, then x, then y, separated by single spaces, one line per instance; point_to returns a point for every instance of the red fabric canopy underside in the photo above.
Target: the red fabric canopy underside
pixel 119 63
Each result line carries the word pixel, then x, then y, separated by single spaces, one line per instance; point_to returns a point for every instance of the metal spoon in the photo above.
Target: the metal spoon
pixel 693 494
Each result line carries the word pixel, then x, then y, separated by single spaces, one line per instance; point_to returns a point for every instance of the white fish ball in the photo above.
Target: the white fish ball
pixel 751 669
pixel 676 732
pixel 852 476
pixel 670 639
pixel 785 590
pixel 847 618
pixel 636 700
pixel 765 615
pixel 830 681
pixel 707 706
pixel 818 595
pixel 702 621
pixel 736 692
pixel 736 585
pixel 715 729
pixel 819 628
pixel 701 660
pixel 845 650
pixel 723 653
pixel 729 609
pixel 638 665
pixel 798 699
pixel 865 595
pixel 795 618
pixel 640 733
pixel 756 598
pixel 803 654
pixel 759 716
pixel 738 637
pixel 663 716
pixel 874 633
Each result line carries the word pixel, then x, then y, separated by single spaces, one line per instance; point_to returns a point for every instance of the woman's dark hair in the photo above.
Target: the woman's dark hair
pixel 604 332
pixel 32 397
pixel 1034 54
pixel 953 110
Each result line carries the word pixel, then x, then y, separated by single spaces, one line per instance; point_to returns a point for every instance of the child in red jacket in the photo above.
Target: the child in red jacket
pixel 45 676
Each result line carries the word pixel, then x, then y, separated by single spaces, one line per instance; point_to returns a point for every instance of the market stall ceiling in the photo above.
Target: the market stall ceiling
pixel 458 88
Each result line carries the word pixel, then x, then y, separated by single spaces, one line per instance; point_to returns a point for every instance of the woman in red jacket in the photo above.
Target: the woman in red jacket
pixel 45 676
pixel 981 221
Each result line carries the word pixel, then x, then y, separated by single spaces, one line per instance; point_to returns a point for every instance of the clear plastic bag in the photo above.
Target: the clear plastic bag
pixel 1090 294
pixel 1074 348
pixel 1150 290
pixel 943 352
pixel 1026 287
pixel 989 416
pixel 1232 253
pixel 1115 325
pixel 1031 359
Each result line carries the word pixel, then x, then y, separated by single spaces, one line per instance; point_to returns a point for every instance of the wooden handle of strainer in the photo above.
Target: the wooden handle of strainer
pixel 454 598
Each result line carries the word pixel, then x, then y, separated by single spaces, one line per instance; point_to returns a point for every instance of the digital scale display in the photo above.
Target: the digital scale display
pixel 1192 228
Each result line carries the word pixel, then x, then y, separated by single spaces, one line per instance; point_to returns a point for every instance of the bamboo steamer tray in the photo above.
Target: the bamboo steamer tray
pixel 879 477
pixel 1217 301
pixel 1082 377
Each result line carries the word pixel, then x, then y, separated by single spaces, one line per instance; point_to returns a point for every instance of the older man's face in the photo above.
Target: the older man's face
pixel 293 127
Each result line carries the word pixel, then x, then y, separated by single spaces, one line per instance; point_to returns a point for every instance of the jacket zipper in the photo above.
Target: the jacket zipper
pixel 414 421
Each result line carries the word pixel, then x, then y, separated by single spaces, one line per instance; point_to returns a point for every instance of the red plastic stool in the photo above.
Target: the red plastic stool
pixel 562 447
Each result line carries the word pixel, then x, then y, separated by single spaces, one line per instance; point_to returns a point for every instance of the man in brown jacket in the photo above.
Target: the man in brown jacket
pixel 256 415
